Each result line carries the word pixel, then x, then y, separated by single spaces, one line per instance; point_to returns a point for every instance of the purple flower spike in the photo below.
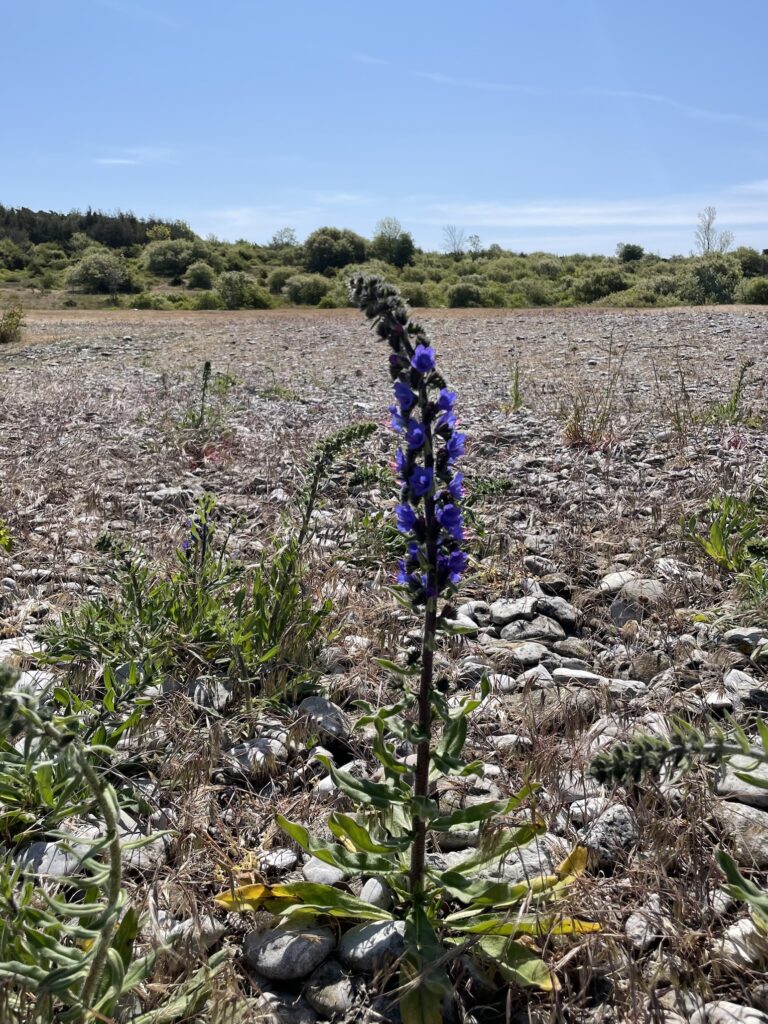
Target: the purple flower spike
pixel 449 517
pixel 406 518
pixel 455 487
pixel 423 359
pixel 404 395
pixel 446 400
pixel 455 446
pixel 414 435
pixel 420 481
pixel 401 463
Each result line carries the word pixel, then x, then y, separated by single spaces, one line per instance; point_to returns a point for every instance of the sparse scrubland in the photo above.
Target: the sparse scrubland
pixel 88 260
pixel 283 739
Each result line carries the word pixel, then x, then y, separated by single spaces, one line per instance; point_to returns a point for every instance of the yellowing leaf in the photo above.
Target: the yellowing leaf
pixel 252 894
pixel 575 863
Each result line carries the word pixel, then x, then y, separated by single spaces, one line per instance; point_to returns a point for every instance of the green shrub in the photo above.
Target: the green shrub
pixel 628 252
pixel 207 300
pixel 755 292
pixel 199 275
pixel 100 272
pixel 415 294
pixel 752 263
pixel 596 284
pixel 11 324
pixel 258 298
pixel 306 289
pixel 463 295
pixel 396 248
pixel 150 300
pixel 169 258
pixel 495 296
pixel 710 279
pixel 327 248
pixel 234 288
pixel 278 278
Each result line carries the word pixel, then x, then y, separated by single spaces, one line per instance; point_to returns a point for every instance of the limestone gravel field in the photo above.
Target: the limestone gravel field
pixel 592 435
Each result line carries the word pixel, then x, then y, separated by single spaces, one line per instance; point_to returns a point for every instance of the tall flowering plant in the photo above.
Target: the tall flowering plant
pixel 450 913
pixel 429 513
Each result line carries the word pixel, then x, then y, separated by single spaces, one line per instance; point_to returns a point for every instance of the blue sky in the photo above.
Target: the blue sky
pixel 560 125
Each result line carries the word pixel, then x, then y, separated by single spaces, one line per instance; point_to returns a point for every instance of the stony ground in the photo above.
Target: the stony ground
pixel 591 614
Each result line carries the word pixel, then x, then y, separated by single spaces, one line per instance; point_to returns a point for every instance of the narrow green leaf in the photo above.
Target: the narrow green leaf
pixel 334 853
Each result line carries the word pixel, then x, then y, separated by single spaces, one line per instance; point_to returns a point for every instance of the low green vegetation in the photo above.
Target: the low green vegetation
pixel 82 259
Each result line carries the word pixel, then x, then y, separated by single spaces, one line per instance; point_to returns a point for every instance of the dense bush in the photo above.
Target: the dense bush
pixel 100 272
pixel 169 258
pixel 465 294
pixel 207 300
pixel 710 279
pixel 596 284
pixel 755 292
pixel 415 294
pixel 752 263
pixel 628 252
pixel 393 246
pixel 306 289
pixel 278 278
pixel 199 275
pixel 329 248
pixel 236 290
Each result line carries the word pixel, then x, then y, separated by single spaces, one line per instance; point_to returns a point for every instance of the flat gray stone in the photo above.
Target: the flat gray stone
pixel 734 788
pixel 332 992
pixel 748 829
pixel 324 717
pixel 614 581
pixel 285 953
pixel 279 860
pixel 318 871
pixel 378 893
pixel 260 755
pixel 367 947
pixel 478 611
pixel 611 835
pixel 722 1011
pixel 636 600
pixel 746 638
pixel 539 628
pixel 743 944
pixel 644 928
pixel 561 610
pixel 507 610
pixel 567 676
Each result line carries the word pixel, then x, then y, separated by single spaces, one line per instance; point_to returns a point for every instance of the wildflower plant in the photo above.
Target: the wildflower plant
pixel 467 910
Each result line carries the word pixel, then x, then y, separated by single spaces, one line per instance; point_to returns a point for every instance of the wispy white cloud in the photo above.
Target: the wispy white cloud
pixel 139 13
pixel 685 109
pixel 700 113
pixel 135 156
pixel 572 214
pixel 367 58
pixel 343 199
pixel 480 84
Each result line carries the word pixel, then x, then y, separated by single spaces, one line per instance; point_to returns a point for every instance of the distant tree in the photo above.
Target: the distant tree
pixel 391 244
pixel 628 252
pixel 711 279
pixel 708 238
pixel 329 248
pixel 454 240
pixel 158 233
pixel 284 237
pixel 474 245
pixel 100 272
pixel 752 263
pixel 199 275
